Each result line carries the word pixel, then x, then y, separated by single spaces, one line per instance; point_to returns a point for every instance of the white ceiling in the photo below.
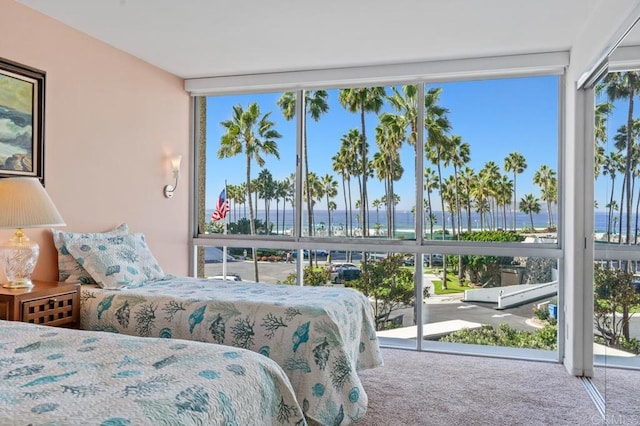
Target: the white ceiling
pixel 206 38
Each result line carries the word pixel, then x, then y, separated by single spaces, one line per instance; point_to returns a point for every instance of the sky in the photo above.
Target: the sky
pixel 496 117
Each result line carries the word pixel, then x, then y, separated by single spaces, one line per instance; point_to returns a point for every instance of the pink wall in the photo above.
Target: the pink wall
pixel 111 121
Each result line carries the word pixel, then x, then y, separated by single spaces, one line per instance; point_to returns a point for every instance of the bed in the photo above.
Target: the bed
pixel 56 376
pixel 320 336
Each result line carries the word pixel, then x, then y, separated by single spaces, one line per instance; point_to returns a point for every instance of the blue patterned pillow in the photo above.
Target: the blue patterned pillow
pixel 68 269
pixel 118 261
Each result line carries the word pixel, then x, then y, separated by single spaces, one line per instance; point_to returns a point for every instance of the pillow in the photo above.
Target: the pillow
pixel 118 261
pixel 68 269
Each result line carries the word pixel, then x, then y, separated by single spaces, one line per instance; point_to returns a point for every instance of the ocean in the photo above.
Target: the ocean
pixel 405 220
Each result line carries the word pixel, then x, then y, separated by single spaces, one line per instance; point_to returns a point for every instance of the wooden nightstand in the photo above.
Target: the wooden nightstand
pixel 46 303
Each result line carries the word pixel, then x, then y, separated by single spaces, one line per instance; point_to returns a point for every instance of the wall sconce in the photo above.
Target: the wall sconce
pixel 175 166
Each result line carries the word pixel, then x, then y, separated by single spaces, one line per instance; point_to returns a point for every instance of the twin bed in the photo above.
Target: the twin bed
pixel 198 352
pixel 56 376
pixel 320 336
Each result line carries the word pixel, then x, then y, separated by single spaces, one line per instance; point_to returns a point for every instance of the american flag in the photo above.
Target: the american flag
pixel 222 207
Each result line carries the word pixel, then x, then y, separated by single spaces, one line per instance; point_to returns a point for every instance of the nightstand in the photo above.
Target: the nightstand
pixel 47 303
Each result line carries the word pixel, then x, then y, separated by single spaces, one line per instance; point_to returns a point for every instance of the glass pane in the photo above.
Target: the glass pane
pixel 491 159
pixel 616 275
pixel 488 301
pixel 250 151
pixel 359 151
pixel 273 265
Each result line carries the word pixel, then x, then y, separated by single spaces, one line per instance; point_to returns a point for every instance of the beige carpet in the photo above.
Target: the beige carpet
pixel 620 389
pixel 434 389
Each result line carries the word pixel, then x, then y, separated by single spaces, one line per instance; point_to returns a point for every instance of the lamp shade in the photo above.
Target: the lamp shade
pixel 25 204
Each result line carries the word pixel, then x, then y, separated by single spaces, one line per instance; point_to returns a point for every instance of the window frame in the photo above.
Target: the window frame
pixel 546 64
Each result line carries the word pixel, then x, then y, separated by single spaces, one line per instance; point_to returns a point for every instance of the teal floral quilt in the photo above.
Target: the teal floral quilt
pixel 320 336
pixel 55 376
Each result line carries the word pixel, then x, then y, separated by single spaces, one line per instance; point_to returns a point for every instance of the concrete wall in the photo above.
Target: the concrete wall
pixel 111 121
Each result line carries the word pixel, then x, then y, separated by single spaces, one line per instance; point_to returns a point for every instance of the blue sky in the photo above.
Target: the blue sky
pixel 496 117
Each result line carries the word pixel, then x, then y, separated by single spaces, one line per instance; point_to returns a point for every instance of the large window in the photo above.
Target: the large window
pixel 437 201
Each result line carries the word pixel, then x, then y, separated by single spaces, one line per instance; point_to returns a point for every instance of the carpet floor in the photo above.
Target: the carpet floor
pixel 439 389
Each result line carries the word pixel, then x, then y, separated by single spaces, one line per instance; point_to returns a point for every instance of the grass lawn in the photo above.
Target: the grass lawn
pixel 453 285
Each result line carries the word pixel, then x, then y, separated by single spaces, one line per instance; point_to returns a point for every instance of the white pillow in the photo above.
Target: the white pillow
pixel 118 261
pixel 68 269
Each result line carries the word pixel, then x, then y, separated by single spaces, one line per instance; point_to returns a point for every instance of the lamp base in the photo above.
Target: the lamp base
pixel 18 284
pixel 19 256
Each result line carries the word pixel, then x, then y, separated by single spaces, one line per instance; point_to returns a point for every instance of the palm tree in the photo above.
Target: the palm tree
pixel 601 115
pixel 363 100
pixel 315 105
pixel 280 194
pixel 332 207
pixel 503 196
pixel 390 135
pixel 430 183
pixel 376 205
pixel 516 163
pixel 266 188
pixel 313 194
pixel 340 164
pixel 348 158
pixel 610 166
pixel 459 155
pixel 468 179
pixel 330 190
pixel 255 136
pixel 545 177
pixel 612 206
pixel 620 142
pixel 490 175
pixel 625 85
pixel 289 184
pixel 481 192
pixel 529 204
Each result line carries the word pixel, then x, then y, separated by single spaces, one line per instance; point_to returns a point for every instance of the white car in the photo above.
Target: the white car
pixel 230 277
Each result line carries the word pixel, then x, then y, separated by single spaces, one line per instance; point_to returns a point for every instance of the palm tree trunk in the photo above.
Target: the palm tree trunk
pixel 365 171
pixel 346 210
pixel 284 214
pixel 628 166
pixel 610 217
pixel 624 187
pixel 444 228
pixel 252 224
pixel 278 215
pixel 430 212
pixel 515 200
pixel 635 236
pixel 531 217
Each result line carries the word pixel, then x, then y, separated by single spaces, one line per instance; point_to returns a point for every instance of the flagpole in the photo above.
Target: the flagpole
pixel 226 221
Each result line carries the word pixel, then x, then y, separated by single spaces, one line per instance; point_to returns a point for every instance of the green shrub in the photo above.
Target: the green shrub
pixel 545 338
pixel 311 276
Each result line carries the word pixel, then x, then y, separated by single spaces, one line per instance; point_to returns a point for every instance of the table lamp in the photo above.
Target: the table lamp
pixel 24 203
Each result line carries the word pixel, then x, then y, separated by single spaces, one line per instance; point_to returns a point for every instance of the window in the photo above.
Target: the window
pixel 478 158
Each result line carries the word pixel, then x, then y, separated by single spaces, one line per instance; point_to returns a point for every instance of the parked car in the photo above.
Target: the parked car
pixel 305 253
pixel 342 272
pixel 230 277
pixel 436 259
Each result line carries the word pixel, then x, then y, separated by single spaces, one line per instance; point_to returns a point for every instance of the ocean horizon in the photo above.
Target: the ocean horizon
pixel 405 220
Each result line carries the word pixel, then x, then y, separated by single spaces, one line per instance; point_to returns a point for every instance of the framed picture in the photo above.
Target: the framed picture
pixel 22 92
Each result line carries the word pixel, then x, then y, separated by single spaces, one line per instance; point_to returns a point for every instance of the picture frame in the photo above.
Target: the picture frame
pixel 22 100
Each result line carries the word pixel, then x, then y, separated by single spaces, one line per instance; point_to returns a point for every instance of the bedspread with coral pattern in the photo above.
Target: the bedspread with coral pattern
pixel 320 336
pixel 55 376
